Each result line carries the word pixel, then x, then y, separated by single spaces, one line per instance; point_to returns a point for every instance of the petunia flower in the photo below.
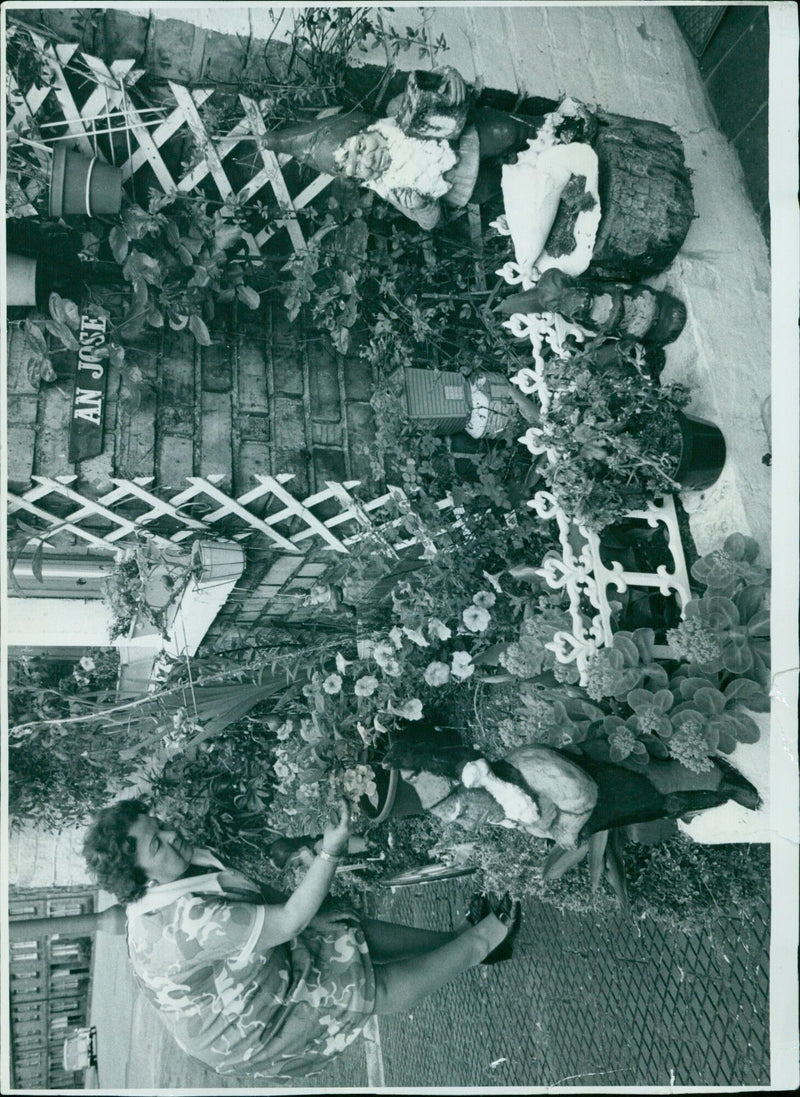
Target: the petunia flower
pixel 484 598
pixel 476 618
pixel 396 636
pixel 438 630
pixel 391 667
pixel 416 637
pixel 382 653
pixel 461 665
pixel 436 674
pixel 366 686
pixel 341 663
pixel 285 730
pixel 87 664
pixel 411 710
pixel 332 684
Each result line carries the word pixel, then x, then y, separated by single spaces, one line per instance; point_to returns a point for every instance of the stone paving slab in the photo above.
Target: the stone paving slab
pixel 586 1002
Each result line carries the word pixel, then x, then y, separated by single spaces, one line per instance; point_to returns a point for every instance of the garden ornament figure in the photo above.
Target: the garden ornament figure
pixel 435 146
pixel 565 797
pixel 585 189
pixel 253 983
pixel 607 308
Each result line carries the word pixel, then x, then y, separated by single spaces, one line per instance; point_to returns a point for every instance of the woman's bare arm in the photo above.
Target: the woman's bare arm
pixel 286 920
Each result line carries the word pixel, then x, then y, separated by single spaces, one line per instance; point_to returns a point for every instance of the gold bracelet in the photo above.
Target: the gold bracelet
pixel 333 857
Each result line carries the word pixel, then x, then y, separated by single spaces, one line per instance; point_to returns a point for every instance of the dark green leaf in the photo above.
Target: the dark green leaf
pixel 119 242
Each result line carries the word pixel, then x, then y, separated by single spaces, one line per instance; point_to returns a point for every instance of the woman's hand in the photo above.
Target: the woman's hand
pixel 335 838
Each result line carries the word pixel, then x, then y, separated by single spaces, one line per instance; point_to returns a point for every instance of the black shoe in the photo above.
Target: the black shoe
pixel 510 914
pixel 479 907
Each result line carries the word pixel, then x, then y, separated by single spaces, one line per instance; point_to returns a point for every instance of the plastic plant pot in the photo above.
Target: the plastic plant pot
pixel 83 185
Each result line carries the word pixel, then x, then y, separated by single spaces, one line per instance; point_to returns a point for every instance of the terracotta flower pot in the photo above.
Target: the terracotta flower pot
pixel 20 280
pixel 83 185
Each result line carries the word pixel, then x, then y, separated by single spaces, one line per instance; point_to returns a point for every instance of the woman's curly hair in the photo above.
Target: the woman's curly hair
pixel 110 852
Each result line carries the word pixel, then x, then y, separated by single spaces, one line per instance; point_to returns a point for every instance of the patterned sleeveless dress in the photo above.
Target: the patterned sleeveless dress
pixel 276 1014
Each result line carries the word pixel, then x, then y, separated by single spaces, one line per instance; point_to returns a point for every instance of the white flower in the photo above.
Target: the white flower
pixel 281 769
pixel 416 637
pixel 392 668
pixel 366 686
pixel 484 598
pixel 341 663
pixel 411 710
pixel 438 629
pixel 87 664
pixel 285 730
pixel 476 619
pixel 461 665
pixel 309 731
pixel 396 637
pixel 436 674
pixel 332 684
pixel 367 736
pixel 382 653
pixel 360 781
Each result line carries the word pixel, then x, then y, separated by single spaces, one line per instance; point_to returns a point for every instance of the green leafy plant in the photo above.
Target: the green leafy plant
pixel 612 436
pixel 45 335
pixel 146 582
pixel 179 264
pixel 726 635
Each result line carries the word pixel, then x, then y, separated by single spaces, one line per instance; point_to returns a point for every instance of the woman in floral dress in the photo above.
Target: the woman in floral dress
pixel 253 984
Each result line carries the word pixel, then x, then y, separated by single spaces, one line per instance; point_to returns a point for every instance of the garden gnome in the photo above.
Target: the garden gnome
pixel 433 147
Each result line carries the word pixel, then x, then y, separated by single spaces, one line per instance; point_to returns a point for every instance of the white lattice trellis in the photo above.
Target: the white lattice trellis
pixel 110 108
pixel 103 524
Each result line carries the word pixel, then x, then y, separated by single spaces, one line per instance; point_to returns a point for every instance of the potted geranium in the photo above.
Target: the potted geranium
pixel 615 439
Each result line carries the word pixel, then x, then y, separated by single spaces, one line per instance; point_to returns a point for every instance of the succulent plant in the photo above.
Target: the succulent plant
pixel 730 635
pixel 725 570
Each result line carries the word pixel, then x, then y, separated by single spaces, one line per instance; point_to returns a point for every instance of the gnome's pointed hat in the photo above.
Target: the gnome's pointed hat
pixel 314 143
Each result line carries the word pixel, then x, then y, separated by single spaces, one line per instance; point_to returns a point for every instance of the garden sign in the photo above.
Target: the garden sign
pixel 89 397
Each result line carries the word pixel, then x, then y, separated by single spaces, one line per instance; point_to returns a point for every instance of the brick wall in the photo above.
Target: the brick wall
pixel 266 397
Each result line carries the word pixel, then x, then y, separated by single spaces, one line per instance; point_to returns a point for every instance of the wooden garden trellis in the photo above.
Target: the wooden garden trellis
pixel 110 108
pixel 105 524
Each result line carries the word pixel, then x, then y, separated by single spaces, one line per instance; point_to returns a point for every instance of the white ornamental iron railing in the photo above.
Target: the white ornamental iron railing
pixel 110 109
pixel 580 571
pixel 103 523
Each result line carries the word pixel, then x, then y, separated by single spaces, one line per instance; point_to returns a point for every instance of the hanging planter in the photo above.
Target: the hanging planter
pixel 83 185
pixel 21 273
